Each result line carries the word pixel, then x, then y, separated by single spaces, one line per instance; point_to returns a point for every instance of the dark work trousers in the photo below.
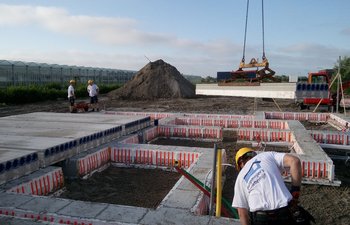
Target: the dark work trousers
pixel 273 217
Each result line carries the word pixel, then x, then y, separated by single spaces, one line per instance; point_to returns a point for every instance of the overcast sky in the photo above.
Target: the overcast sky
pixel 198 37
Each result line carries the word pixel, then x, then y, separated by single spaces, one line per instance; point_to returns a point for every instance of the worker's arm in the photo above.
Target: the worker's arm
pixel 293 162
pixel 243 216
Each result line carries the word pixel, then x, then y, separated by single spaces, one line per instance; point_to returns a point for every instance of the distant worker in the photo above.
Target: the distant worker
pixel 261 196
pixel 93 90
pixel 71 96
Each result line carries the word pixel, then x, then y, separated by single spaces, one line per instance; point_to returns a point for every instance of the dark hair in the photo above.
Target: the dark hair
pixel 244 158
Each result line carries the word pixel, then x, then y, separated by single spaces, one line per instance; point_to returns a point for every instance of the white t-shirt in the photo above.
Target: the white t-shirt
pixel 260 186
pixel 70 91
pixel 92 89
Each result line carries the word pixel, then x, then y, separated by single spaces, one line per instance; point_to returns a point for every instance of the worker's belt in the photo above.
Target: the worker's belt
pixel 273 212
pixel 277 216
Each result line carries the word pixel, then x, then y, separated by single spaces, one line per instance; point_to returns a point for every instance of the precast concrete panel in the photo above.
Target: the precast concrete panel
pixel 273 90
pixel 94 118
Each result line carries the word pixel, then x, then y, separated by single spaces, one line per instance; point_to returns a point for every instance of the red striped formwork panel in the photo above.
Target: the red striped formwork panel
pixel 131 139
pixel 219 116
pixel 317 169
pixel 151 133
pixel 147 135
pixel 198 121
pixel 93 161
pixel 313 170
pixel 200 132
pixel 314 117
pixel 42 182
pixel 331 137
pixel 152 115
pixel 263 135
pixel 162 157
pixel 231 123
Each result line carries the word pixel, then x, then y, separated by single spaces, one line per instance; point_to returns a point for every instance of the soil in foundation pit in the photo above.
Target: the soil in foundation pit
pixel 123 186
pixel 318 126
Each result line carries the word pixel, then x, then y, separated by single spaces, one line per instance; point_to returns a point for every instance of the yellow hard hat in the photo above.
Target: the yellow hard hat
pixel 240 153
pixel 90 81
pixel 72 81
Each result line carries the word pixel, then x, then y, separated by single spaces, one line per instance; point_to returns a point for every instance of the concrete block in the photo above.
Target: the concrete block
pixel 83 209
pixel 13 200
pixel 45 204
pixel 181 199
pixel 18 221
pixel 123 214
pixel 173 216
pixel 223 221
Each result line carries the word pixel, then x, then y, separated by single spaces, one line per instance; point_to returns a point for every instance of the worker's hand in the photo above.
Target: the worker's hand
pixel 295 191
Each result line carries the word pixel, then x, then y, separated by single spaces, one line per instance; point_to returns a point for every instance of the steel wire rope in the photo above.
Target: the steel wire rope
pixel 263 28
pixel 245 30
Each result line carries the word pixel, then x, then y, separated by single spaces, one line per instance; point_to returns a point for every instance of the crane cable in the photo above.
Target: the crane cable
pixel 246 28
pixel 245 31
pixel 263 28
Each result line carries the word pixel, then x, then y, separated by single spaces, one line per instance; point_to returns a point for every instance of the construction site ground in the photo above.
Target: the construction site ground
pixel 328 204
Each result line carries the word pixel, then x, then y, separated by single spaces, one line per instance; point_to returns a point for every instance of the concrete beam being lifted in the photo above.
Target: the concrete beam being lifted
pixel 264 90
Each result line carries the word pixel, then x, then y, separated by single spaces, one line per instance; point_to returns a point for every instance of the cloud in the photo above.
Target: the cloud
pixel 311 50
pixel 345 31
pixel 100 29
pixel 125 36
pixel 112 31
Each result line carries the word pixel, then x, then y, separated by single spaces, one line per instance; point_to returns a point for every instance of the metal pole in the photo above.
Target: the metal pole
pixel 218 184
pixel 338 85
pixel 212 191
pixel 337 103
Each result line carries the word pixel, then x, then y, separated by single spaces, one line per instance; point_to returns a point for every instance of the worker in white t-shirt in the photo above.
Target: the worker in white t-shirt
pixel 71 95
pixel 261 196
pixel 93 90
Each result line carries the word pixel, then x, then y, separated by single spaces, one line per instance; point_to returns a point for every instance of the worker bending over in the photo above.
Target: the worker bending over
pixel 92 89
pixel 261 196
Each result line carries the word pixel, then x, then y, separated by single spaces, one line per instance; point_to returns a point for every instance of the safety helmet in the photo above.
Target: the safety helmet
pixel 241 152
pixel 90 81
pixel 72 81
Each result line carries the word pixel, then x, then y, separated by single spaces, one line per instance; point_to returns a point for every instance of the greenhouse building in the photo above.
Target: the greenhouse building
pixel 18 73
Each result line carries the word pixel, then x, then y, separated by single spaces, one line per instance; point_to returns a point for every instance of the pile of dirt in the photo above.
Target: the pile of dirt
pixel 155 80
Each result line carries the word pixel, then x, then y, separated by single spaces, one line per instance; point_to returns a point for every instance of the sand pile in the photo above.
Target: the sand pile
pixel 156 80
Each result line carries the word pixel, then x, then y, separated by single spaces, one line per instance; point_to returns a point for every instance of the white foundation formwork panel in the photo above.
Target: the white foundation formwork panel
pixel 264 90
